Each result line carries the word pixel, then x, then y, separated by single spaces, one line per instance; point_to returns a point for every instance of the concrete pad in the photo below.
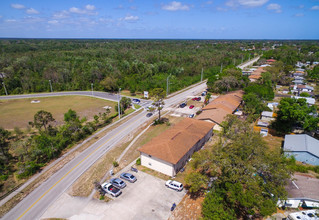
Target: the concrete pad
pixel 147 198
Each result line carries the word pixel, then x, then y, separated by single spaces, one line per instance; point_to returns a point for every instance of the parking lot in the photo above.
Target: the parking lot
pixel 147 198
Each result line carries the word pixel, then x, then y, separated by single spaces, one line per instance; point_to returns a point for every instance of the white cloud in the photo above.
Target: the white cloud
pixel 299 15
pixel 90 7
pixel 32 11
pixel 88 10
pixel 133 7
pixel 209 2
pixel 316 7
pixel 17 6
pixel 61 14
pixel 53 22
pixel 175 6
pixel 274 7
pixel 10 20
pixel 130 18
pixel 301 6
pixel 246 3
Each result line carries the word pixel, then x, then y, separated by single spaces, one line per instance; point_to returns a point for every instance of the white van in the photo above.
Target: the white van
pixel 174 185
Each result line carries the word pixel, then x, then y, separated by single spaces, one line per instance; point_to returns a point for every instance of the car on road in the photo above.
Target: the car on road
pixel 182 105
pixel 136 101
pixel 118 183
pixel 191 115
pixel 149 114
pixel 191 106
pixel 174 185
pixel 110 189
pixel 129 177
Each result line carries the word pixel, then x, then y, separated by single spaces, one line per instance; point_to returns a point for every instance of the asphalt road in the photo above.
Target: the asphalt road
pixel 36 203
pixel 243 65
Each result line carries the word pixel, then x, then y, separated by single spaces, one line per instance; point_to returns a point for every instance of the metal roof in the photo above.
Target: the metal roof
pixel 302 142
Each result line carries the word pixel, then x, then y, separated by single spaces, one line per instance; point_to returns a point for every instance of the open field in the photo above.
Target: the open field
pixel 18 112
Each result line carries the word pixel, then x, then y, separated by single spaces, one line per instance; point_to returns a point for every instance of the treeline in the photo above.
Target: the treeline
pixel 24 154
pixel 28 66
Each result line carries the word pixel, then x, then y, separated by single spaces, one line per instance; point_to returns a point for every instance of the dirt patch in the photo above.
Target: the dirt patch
pixel 188 208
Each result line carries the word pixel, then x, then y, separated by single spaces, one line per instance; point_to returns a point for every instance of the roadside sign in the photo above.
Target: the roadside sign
pixel 146 94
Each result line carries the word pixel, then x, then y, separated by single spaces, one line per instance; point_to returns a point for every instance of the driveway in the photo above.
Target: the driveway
pixel 147 198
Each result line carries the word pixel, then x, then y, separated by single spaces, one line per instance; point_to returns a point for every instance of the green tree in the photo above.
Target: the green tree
pixel 253 105
pixel 71 116
pixel 42 119
pixel 249 177
pixel 295 112
pixel 4 143
pixel 159 95
pixel 263 91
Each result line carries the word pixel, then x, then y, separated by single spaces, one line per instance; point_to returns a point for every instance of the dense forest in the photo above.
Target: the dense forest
pixel 28 65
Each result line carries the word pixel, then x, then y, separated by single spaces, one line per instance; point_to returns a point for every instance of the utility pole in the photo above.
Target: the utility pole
pixel 201 76
pixel 118 107
pixel 50 85
pixel 234 61
pixel 92 89
pixel 249 57
pixel 242 58
pixel 167 83
pixel 5 89
pixel 221 68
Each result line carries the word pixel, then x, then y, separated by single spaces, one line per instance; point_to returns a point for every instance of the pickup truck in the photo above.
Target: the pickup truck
pixel 110 189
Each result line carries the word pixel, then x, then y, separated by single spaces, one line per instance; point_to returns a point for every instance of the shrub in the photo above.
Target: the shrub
pixel 138 161
pixel 102 197
pixel 115 164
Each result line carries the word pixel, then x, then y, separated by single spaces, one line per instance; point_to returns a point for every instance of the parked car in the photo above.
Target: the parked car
pixel 174 185
pixel 110 189
pixel 118 183
pixel 191 115
pixel 198 98
pixel 182 105
pixel 129 177
pixel 136 101
pixel 149 114
pixel 194 99
pixel 191 106
pixel 204 93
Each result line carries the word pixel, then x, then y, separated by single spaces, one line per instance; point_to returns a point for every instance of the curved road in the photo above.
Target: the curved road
pixel 36 203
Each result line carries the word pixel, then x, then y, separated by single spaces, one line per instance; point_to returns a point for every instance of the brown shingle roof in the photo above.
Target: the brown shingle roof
pixel 217 110
pixel 174 143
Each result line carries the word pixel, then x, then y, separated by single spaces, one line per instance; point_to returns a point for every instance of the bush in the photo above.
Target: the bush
pixel 138 161
pixel 102 197
pixel 115 164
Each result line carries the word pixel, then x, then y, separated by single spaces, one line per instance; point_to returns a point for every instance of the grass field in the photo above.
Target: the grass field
pixel 18 112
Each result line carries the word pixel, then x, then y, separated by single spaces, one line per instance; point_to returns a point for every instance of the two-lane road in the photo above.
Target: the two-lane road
pixel 36 203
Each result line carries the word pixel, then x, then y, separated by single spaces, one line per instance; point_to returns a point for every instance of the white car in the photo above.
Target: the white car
pixel 174 185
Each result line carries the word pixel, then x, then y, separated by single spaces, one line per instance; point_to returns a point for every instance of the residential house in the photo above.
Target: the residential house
pixel 303 147
pixel 169 152
pixel 310 101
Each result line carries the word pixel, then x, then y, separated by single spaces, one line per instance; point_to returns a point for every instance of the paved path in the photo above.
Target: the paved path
pixel 248 63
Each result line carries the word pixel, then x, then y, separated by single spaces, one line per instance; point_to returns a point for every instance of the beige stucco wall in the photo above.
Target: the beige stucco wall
pixel 157 164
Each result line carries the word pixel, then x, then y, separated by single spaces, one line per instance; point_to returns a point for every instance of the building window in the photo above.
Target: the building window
pixel 150 155
pixel 150 164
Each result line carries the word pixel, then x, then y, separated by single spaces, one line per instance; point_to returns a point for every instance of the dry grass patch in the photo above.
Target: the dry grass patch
pixel 274 142
pixel 18 112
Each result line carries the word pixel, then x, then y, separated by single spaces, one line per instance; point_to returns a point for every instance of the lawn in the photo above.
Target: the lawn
pixel 18 112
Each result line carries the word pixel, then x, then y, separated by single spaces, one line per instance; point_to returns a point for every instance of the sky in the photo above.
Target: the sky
pixel 160 19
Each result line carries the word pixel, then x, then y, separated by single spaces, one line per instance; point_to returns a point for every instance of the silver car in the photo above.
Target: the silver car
pixel 118 183
pixel 129 177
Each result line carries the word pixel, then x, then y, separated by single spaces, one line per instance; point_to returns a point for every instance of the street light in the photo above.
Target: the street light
pixel 50 85
pixel 92 89
pixel 118 107
pixel 5 89
pixel 167 84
